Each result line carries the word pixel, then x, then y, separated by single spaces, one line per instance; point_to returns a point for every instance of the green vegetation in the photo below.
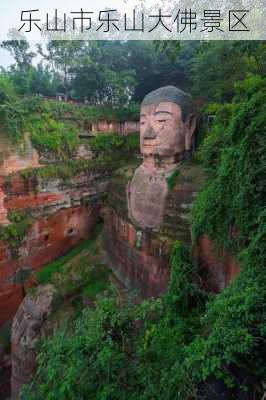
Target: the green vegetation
pixel 112 151
pixel 182 343
pixel 45 274
pixel 54 136
pixel 88 113
pixel 97 281
pixel 15 232
pixel 170 344
pixel 176 347
pixel 108 144
pixel 171 180
pixel 131 348
pixel 71 168
pixel 235 157
pixel 53 126
pixel 79 275
pixel 102 72
pixel 11 111
pixel 223 63
pixel 81 279
pixel 118 72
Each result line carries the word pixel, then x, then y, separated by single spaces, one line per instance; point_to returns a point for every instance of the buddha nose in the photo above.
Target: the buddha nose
pixel 149 133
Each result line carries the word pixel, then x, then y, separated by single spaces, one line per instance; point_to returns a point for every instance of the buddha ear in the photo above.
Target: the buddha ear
pixel 190 131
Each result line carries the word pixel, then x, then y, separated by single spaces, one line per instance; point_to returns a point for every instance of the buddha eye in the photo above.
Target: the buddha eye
pixel 161 120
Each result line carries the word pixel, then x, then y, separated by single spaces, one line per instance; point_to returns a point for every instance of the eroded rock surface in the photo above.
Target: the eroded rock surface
pixel 17 157
pixel 30 324
pixel 219 267
pixel 3 210
pixel 140 256
pixel 64 212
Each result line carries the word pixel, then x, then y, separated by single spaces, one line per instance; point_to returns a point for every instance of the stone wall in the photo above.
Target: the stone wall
pixel 15 158
pixel 219 267
pixel 138 259
pixel 64 213
pixel 123 128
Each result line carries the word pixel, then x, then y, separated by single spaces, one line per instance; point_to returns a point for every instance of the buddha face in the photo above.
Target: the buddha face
pixel 163 133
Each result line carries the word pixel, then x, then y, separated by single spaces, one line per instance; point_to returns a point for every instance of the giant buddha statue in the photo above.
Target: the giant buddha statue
pixel 167 126
pixel 148 206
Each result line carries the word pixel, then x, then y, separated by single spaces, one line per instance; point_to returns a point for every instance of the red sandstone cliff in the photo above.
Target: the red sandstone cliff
pixel 63 212
pixel 140 258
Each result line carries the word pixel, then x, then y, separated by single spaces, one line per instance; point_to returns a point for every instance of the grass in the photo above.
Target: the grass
pixel 45 275
pixel 79 276
pixel 97 281
pixel 16 231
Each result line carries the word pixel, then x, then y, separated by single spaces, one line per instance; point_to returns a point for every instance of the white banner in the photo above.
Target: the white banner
pixel 37 20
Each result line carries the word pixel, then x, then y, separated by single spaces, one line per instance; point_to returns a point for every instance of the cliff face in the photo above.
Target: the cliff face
pixel 219 267
pixel 14 158
pixel 44 214
pixel 30 324
pixel 123 128
pixel 140 257
pixel 42 219
pixel 3 210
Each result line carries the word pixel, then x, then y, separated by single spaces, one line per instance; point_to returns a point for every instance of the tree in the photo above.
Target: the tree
pixel 61 57
pixel 42 81
pixel 20 71
pixel 20 50
pixel 217 62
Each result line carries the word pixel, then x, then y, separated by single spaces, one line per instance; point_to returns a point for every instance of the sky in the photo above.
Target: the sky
pixel 5 58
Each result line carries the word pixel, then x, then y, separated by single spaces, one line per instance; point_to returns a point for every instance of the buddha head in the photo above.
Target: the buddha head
pixel 167 126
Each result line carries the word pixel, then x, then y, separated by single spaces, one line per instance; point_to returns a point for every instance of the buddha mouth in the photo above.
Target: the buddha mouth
pixel 148 143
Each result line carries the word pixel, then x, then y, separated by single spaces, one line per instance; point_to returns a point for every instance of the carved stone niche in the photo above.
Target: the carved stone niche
pixel 30 324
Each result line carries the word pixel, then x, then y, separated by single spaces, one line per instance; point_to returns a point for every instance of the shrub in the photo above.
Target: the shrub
pixel 173 346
